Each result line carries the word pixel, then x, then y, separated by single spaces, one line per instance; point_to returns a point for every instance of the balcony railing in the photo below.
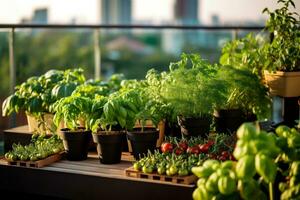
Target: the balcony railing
pixel 97 62
pixel 96 32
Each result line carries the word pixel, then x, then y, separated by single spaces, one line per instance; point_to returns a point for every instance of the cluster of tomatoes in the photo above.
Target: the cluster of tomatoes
pixel 213 148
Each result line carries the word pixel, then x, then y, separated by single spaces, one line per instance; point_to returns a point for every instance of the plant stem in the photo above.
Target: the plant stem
pixel 271 191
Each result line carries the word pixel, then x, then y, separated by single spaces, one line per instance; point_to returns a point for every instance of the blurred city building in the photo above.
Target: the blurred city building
pixel 116 11
pixel 186 12
pixel 40 16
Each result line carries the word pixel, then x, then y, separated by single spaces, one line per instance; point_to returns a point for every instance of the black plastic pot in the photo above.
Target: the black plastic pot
pixel 76 143
pixel 141 142
pixel 228 121
pixel 194 126
pixel 109 146
pixel 124 143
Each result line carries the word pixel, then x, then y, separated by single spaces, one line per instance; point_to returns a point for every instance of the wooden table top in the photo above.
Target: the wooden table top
pixel 20 129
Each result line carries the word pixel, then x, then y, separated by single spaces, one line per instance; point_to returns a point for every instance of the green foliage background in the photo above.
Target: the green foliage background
pixel 38 50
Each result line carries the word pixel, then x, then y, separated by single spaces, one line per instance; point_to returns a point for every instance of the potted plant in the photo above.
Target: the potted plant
pixel 246 99
pixel 281 55
pixel 109 120
pixel 245 53
pixel 192 89
pixel 72 111
pixel 141 108
pixel 158 105
pixel 37 94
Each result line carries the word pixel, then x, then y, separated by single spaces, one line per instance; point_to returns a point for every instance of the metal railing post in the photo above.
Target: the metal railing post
pixel 235 34
pixel 97 54
pixel 12 70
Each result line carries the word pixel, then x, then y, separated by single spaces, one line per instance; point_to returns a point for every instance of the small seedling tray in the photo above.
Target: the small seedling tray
pixel 39 163
pixel 187 180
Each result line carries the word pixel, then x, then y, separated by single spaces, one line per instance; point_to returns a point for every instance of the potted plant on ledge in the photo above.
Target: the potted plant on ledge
pixel 192 89
pixel 141 109
pixel 154 89
pixel 282 53
pixel 108 121
pixel 246 99
pixel 74 110
pixel 36 95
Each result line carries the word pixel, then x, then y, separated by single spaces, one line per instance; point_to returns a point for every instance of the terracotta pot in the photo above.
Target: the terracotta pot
pixel 35 125
pixel 284 84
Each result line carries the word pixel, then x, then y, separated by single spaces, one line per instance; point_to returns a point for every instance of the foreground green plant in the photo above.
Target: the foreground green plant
pixel 263 159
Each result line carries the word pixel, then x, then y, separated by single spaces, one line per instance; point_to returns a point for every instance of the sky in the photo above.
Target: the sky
pixel 153 11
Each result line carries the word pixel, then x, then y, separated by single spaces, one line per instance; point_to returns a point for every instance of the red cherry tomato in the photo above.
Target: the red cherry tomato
pixel 166 147
pixel 179 151
pixel 204 148
pixel 193 150
pixel 183 145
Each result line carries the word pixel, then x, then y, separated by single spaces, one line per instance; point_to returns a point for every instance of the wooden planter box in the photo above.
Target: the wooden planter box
pixel 284 84
pixel 35 125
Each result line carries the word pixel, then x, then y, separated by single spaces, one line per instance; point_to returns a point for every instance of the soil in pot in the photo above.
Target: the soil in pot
pixel 195 126
pixel 228 121
pixel 109 146
pixel 142 141
pixel 76 143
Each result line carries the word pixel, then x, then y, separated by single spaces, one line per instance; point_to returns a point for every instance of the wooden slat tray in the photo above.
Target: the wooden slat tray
pixel 39 163
pixel 187 180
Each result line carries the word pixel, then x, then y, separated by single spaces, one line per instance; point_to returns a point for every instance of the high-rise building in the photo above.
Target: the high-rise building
pixel 116 11
pixel 40 16
pixel 186 12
